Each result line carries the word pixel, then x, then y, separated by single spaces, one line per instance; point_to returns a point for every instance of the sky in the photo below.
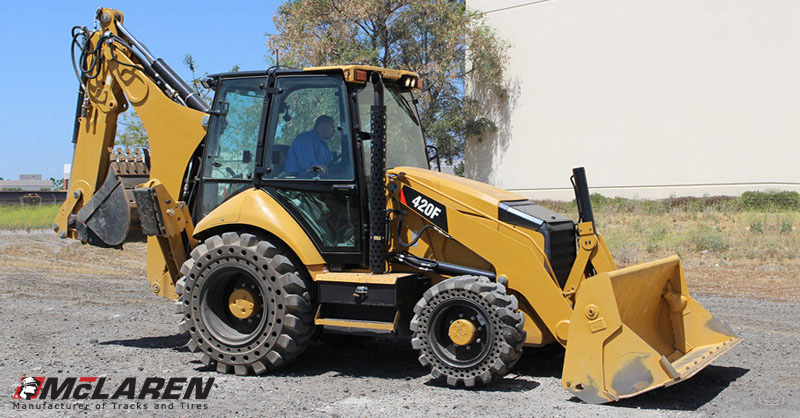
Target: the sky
pixel 39 87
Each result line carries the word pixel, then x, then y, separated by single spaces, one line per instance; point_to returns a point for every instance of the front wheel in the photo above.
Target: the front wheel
pixel 244 304
pixel 468 330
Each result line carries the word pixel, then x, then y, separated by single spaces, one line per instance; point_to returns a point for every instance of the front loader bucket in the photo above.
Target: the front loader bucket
pixel 637 329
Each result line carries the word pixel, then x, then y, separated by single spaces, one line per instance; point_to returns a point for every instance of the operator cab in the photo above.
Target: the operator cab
pixel 303 137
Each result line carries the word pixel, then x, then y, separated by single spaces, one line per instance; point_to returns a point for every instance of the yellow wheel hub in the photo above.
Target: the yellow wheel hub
pixel 462 332
pixel 242 304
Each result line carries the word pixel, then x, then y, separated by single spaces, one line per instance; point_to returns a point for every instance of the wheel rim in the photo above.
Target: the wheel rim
pixel 442 319
pixel 222 285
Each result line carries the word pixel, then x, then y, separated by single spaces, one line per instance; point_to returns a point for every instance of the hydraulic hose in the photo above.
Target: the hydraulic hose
pixel 441 267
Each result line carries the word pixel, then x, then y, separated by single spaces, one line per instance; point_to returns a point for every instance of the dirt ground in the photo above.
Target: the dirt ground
pixel 72 310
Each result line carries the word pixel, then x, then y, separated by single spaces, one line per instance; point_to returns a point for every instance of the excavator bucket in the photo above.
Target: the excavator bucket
pixel 110 218
pixel 105 220
pixel 636 329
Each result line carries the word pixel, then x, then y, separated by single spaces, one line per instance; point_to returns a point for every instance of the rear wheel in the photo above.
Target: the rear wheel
pixel 468 330
pixel 244 304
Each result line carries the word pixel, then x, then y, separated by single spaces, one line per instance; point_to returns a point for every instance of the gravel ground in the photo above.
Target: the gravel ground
pixel 96 317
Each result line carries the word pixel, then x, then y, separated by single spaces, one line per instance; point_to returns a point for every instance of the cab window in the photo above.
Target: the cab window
pixel 308 137
pixel 405 145
pixel 232 139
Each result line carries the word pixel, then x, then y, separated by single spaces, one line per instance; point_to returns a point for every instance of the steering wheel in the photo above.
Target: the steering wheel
pixel 317 172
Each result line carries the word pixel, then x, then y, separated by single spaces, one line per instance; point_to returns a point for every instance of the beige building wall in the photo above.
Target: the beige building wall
pixel 27 183
pixel 655 98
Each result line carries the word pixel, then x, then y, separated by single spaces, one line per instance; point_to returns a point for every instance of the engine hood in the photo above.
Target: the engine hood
pixel 481 197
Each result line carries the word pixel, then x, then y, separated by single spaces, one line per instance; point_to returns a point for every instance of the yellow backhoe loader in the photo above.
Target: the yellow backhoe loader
pixel 301 201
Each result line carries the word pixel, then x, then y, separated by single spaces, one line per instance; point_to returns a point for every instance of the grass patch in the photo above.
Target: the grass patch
pixel 716 230
pixel 766 201
pixel 705 238
pixel 27 216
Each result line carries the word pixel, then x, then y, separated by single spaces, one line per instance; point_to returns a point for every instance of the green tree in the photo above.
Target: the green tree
pixel 442 40
pixel 132 133
pixel 58 184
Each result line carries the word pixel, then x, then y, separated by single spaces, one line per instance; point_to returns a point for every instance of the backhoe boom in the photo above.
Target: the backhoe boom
pixel 116 70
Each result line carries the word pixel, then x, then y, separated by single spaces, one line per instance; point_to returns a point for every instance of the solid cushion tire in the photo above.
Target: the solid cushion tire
pixel 287 311
pixel 504 325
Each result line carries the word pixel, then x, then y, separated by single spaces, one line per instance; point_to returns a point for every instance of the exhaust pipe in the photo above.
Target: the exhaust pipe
pixel 581 188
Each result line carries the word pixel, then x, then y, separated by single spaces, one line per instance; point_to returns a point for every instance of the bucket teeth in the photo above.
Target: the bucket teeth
pixel 130 161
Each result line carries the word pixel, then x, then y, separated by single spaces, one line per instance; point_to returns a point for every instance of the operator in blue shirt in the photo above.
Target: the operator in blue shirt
pixel 309 150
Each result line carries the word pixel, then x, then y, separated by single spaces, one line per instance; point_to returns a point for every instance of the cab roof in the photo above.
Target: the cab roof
pixel 349 71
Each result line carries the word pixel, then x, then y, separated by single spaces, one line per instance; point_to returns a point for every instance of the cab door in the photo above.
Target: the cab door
pixel 229 160
pixel 309 169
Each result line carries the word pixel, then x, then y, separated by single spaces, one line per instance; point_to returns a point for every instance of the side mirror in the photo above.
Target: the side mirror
pixel 209 83
pixel 221 110
pixel 247 156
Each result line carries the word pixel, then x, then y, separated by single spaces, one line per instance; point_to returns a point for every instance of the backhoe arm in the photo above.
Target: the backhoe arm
pixel 101 208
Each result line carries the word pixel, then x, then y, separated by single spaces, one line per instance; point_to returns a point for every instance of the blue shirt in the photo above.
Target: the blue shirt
pixel 307 150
